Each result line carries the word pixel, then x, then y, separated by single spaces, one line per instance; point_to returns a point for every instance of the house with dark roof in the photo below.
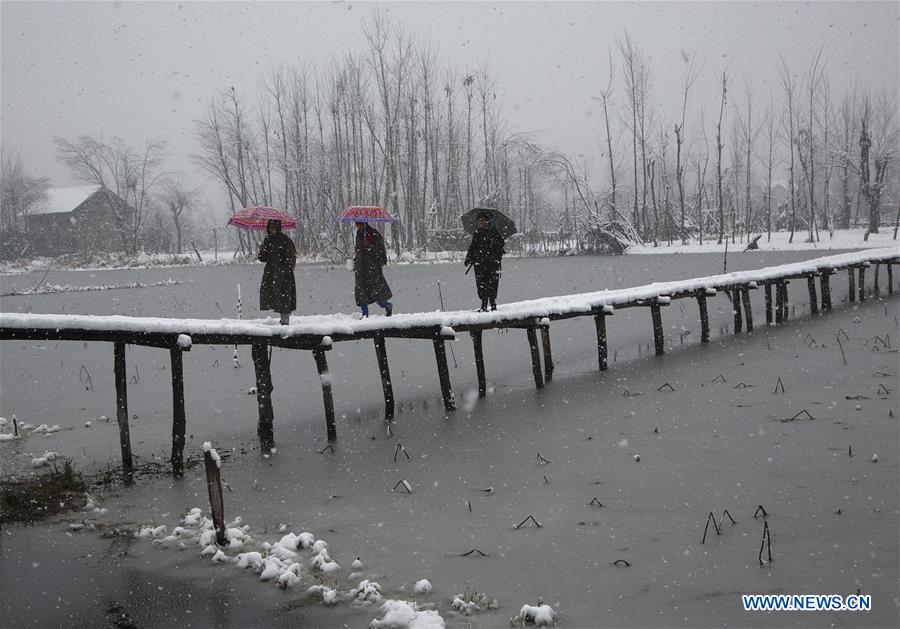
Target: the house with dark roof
pixel 78 219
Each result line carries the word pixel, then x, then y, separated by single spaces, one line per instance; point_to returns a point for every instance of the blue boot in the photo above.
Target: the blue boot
pixel 365 311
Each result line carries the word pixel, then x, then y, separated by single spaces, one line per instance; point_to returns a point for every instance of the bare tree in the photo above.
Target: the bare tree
pixel 806 136
pixel 117 168
pixel 605 97
pixel 692 72
pixel 719 158
pixel 770 163
pixel 19 191
pixel 785 74
pixel 631 72
pixel 878 142
pixel 178 202
pixel 844 155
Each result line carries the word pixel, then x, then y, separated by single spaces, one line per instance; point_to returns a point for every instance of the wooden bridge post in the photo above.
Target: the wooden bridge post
pixel 122 411
pixel 704 316
pixel 748 309
pixel 813 298
pixel 768 291
pixel 440 355
pixel 266 414
pixel 784 300
pixel 602 347
pixel 178 415
pixel 825 284
pixel 535 358
pixel 325 378
pixel 479 362
pixel 658 338
pixel 548 354
pixel 735 295
pixel 890 274
pixel 875 287
pixel 779 303
pixel 851 284
pixel 862 283
pixel 216 503
pixel 385 371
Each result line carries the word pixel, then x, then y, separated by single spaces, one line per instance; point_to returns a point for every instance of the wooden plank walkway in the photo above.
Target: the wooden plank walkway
pixel 317 334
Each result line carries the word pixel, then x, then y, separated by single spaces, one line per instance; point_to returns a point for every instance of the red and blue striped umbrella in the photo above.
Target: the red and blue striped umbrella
pixel 256 218
pixel 364 214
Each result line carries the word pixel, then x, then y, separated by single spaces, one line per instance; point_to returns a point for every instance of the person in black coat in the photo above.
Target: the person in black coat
pixel 278 289
pixel 485 254
pixel 370 256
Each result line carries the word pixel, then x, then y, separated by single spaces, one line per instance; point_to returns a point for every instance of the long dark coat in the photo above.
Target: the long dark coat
pixel 370 256
pixel 485 254
pixel 278 289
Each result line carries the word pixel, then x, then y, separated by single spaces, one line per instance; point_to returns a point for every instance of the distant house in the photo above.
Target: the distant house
pixel 77 219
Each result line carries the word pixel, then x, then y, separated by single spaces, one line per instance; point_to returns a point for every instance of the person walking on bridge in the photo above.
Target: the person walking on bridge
pixel 370 256
pixel 485 254
pixel 278 289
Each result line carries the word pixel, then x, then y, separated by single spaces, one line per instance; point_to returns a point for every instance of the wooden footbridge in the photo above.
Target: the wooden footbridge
pixel 317 334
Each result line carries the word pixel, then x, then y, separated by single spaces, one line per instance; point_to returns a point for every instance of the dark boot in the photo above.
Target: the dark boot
pixel 493 304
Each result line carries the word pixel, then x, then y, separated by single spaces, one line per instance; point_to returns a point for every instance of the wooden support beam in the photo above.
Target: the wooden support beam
pixel 748 309
pixel 265 412
pixel 600 324
pixel 548 353
pixel 851 284
pixel 825 285
pixel 535 358
pixel 479 362
pixel 216 503
pixel 325 378
pixel 735 295
pixel 122 411
pixel 384 370
pixel 784 300
pixel 768 291
pixel 178 415
pixel 779 303
pixel 875 287
pixel 813 298
pixel 704 317
pixel 440 355
pixel 862 284
pixel 658 338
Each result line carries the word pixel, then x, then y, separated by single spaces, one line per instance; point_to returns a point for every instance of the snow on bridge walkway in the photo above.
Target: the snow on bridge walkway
pixel 318 333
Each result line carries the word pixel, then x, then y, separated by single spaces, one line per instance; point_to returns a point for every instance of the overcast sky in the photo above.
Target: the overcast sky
pixel 148 69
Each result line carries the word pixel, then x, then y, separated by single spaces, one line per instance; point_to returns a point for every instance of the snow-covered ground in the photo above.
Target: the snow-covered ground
pixel 781 241
pixel 657 460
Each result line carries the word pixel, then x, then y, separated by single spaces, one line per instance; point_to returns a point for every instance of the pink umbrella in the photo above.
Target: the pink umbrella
pixel 364 214
pixel 256 218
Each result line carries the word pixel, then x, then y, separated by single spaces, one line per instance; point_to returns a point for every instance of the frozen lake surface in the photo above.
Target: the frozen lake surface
pixel 704 446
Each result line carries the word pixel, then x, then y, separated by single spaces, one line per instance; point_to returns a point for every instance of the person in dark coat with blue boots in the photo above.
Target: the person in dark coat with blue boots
pixel 370 256
pixel 278 289
pixel 485 254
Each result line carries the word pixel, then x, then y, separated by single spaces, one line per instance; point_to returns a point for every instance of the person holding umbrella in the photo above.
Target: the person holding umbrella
pixel 370 255
pixel 278 289
pixel 485 253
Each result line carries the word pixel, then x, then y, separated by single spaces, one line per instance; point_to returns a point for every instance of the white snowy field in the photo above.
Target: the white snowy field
pixel 781 241
pixel 703 446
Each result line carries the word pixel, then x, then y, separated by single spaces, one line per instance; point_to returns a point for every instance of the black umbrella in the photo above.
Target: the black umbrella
pixel 501 222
